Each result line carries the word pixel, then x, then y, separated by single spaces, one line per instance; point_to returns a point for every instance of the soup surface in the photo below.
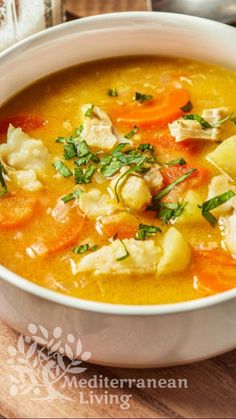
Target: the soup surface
pixel 117 181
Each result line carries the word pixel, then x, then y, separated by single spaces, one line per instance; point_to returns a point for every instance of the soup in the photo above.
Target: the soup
pixel 117 181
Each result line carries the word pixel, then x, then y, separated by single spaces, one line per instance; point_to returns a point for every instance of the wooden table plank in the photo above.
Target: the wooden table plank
pixel 210 393
pixel 87 8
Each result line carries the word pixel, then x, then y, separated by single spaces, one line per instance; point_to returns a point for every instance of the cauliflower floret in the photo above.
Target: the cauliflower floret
pixel 94 203
pixel 176 253
pixel 25 158
pixel 23 152
pixel 182 129
pixel 219 185
pixel 97 129
pixel 143 258
pixel 154 179
pixel 132 189
pixel 135 193
pixel 25 179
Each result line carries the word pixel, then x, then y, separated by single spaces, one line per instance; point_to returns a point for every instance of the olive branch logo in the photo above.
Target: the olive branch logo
pixel 40 361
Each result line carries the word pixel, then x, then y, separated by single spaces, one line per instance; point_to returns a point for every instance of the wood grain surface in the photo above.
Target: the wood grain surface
pixel 93 7
pixel 211 384
pixel 210 392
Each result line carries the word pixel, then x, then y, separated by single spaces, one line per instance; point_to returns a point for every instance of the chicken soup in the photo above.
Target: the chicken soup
pixel 118 181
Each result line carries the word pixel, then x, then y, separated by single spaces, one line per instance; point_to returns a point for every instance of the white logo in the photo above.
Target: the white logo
pixel 36 370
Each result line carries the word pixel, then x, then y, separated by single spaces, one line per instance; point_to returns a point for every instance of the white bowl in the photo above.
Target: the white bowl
pixel 119 335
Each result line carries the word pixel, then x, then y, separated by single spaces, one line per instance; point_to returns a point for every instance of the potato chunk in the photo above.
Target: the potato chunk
pixel 94 203
pixel 143 258
pixel 98 131
pixel 219 185
pixel 176 253
pixel 191 213
pixel 223 157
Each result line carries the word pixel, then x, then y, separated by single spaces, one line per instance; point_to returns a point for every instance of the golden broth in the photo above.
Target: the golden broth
pixel 58 99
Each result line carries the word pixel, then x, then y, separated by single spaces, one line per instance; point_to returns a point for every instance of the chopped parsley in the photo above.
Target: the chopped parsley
pixel 3 184
pixel 148 148
pixel 113 162
pixel 126 254
pixel 71 196
pixel 84 175
pixel 84 248
pixel 188 107
pixel 62 169
pixel 213 203
pixel 140 97
pixel 179 161
pixel 145 231
pixel 131 133
pixel 233 120
pixel 171 186
pixel 69 151
pixel 199 119
pixel 223 120
pixel 112 92
pixel 89 112
pixel 170 211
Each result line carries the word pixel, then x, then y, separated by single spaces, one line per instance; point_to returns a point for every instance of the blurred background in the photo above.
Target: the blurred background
pixel 21 18
pixel 222 10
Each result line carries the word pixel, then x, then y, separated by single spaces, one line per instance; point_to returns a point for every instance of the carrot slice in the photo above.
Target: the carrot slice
pixel 158 112
pixel 61 232
pixel 218 256
pixel 123 226
pixel 210 271
pixel 26 122
pixel 16 210
pixel 215 281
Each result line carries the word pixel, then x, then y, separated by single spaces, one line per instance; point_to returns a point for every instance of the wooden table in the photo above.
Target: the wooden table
pixel 211 384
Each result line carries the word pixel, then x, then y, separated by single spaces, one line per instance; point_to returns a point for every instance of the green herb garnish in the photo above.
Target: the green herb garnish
pixel 84 248
pixel 84 175
pixel 126 255
pixel 62 168
pixel 223 120
pixel 171 186
pixel 71 196
pixel 89 112
pixel 140 97
pixel 3 184
pixel 146 231
pixel 148 148
pixel 213 203
pixel 199 119
pixel 113 162
pixel 69 151
pixel 188 107
pixel 179 161
pixel 170 211
pixel 112 92
pixel 131 133
pixel 233 120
